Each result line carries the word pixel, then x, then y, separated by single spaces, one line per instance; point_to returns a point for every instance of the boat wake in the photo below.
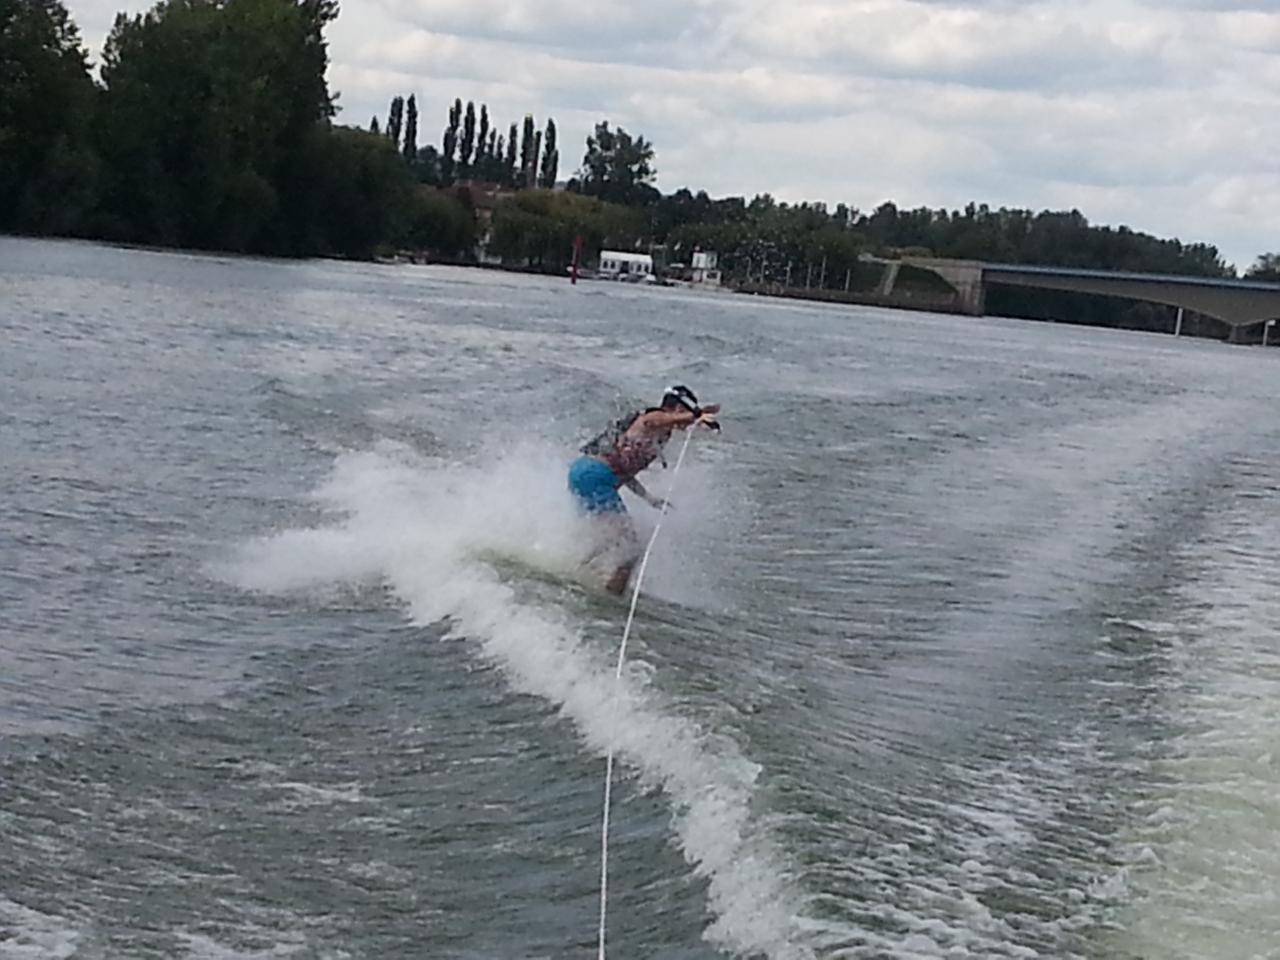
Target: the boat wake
pixel 423 530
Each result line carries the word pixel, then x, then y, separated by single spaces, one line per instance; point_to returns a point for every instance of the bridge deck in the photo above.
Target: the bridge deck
pixel 1231 283
pixel 1237 303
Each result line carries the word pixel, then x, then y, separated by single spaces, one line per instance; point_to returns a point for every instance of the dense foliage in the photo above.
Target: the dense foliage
pixel 472 149
pixel 1266 267
pixel 211 127
pixel 48 172
pixel 538 227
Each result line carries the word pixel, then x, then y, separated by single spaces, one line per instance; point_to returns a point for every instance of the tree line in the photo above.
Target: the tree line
pixel 211 125
pixel 473 149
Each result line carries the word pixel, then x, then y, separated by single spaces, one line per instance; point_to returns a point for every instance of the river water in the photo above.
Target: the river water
pixel 962 639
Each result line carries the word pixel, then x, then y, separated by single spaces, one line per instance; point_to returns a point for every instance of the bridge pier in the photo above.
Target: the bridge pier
pixel 889 277
pixel 964 276
pixel 973 295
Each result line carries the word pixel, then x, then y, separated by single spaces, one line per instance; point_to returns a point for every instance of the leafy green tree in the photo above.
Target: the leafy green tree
pixel 536 228
pixel 440 224
pixel 1266 267
pixel 363 192
pixel 62 195
pixel 48 169
pixel 550 157
pixel 207 114
pixel 410 147
pixel 617 167
pixel 427 167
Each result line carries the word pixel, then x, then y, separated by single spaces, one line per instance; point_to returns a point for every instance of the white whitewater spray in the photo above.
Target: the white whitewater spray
pixel 423 529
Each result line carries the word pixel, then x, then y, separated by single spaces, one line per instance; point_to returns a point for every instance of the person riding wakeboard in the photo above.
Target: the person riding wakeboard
pixel 615 457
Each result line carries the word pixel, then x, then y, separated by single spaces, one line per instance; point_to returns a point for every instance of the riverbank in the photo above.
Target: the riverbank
pixel 915 290
pixel 921 290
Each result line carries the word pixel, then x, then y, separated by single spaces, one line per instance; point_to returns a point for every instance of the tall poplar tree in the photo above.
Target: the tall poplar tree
pixel 395 120
pixel 468 143
pixel 411 130
pixel 509 175
pixel 525 176
pixel 550 156
pixel 535 158
pixel 448 155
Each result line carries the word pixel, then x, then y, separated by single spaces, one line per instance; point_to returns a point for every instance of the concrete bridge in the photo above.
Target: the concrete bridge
pixel 1237 303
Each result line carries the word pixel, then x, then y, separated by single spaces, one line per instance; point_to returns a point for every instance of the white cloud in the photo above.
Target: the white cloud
pixel 1162 114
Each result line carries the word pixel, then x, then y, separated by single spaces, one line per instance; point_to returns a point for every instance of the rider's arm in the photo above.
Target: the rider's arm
pixel 664 419
pixel 636 487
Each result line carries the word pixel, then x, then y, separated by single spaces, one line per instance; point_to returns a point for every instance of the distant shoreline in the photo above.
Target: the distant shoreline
pixel 906 299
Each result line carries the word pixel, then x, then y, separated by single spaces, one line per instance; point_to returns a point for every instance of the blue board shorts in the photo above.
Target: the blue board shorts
pixel 595 486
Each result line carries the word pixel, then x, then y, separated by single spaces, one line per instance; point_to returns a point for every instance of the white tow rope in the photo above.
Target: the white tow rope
pixel 617 680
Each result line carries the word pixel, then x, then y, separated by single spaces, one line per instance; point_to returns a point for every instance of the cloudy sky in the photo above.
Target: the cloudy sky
pixel 1160 114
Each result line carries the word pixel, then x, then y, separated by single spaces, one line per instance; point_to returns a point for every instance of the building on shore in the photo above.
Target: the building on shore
pixel 705 270
pixel 620 265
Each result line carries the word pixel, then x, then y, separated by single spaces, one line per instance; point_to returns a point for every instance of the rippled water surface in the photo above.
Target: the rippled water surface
pixel 962 639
